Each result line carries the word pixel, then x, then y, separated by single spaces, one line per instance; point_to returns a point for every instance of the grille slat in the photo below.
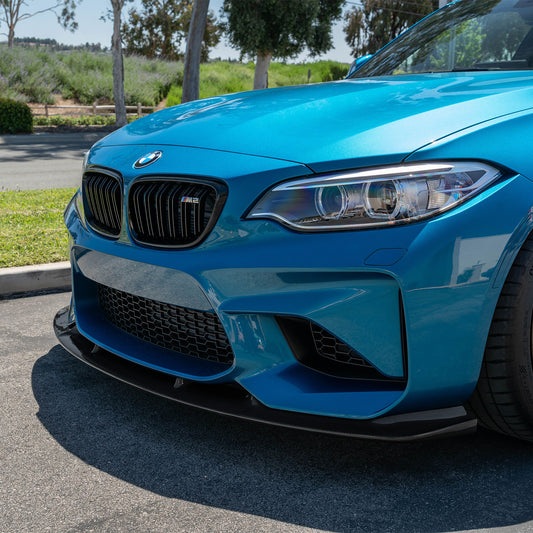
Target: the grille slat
pixel 96 200
pixel 117 208
pixel 103 202
pixel 171 212
pixel 189 332
pixel 147 202
pixel 137 208
pixel 107 203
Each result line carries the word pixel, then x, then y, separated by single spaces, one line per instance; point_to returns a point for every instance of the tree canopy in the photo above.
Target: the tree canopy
pixel 281 28
pixel 269 29
pixel 370 26
pixel 14 11
pixel 160 27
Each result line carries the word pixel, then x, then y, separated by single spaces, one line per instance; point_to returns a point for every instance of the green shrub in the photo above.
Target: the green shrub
pixel 336 72
pixel 15 117
pixel 83 120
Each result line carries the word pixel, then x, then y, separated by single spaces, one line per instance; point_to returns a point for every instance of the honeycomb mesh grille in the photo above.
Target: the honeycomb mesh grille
pixel 103 202
pixel 187 331
pixel 170 212
pixel 328 346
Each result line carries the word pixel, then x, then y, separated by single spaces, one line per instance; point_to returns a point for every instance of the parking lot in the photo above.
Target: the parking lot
pixel 82 452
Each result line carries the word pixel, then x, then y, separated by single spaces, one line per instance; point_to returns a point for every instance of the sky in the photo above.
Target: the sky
pixel 91 29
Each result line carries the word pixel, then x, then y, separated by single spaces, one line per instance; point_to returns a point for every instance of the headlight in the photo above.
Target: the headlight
pixel 375 197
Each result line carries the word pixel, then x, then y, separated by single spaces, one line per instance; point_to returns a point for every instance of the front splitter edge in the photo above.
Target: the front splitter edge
pixel 232 401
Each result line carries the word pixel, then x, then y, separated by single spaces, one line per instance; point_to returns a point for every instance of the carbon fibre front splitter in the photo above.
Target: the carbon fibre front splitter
pixel 232 400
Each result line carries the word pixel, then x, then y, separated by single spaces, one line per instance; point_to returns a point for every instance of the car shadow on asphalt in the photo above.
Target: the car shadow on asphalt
pixel 319 481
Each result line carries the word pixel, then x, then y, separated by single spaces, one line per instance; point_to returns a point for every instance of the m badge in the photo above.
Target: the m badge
pixel 189 200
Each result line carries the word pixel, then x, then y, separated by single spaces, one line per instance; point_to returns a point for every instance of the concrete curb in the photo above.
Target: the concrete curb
pixel 51 276
pixel 90 137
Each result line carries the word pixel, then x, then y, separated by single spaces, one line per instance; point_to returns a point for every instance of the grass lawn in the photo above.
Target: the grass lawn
pixel 223 77
pixel 31 227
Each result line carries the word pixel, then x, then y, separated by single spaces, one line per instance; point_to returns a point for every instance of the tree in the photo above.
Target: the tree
pixel 12 14
pixel 268 29
pixel 121 118
pixel 155 30
pixel 159 27
pixel 371 26
pixel 191 69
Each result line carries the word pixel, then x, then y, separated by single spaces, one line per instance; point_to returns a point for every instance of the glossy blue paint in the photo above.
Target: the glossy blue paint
pixel 414 300
pixel 337 125
pixel 510 134
pixel 358 63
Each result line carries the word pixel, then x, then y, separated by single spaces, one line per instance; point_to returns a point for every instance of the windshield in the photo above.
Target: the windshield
pixel 465 36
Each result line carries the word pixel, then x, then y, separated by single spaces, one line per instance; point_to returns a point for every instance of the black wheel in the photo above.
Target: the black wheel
pixel 503 399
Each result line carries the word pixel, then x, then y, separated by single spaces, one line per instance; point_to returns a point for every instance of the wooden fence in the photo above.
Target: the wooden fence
pixel 77 110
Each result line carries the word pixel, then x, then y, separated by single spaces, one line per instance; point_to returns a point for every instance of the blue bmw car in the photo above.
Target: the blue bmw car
pixel 353 257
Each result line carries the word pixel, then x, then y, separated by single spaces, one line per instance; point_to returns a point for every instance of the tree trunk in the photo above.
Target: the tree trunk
pixel 261 71
pixel 118 66
pixel 10 18
pixel 11 36
pixel 191 70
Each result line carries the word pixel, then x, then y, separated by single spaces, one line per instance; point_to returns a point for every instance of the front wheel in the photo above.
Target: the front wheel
pixel 503 399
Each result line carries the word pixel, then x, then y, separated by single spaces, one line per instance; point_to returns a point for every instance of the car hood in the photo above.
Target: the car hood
pixel 338 124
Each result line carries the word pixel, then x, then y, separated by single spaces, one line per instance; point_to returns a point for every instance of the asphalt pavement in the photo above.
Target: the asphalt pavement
pixel 82 452
pixel 43 160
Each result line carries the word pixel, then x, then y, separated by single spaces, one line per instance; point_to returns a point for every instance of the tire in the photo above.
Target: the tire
pixel 503 399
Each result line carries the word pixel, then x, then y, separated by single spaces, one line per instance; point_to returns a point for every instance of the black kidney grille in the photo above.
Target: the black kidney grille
pixel 103 202
pixel 170 212
pixel 187 331
pixel 330 347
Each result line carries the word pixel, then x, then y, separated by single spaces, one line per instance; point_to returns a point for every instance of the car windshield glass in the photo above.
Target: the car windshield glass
pixel 468 35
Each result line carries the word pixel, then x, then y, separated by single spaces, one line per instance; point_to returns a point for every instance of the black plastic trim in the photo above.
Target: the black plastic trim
pixel 234 401
pixel 403 335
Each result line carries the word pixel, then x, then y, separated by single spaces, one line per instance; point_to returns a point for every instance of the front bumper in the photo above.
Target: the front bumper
pixel 416 301
pixel 236 402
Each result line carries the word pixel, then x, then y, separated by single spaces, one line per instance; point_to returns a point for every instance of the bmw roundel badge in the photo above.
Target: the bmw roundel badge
pixel 147 159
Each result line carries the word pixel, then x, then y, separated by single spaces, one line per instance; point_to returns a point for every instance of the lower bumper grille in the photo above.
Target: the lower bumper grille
pixel 320 350
pixel 328 346
pixel 190 332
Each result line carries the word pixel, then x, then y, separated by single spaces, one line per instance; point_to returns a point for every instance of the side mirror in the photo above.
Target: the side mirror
pixel 358 63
